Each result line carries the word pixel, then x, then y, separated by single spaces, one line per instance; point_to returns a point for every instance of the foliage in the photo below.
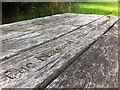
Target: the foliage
pixel 16 11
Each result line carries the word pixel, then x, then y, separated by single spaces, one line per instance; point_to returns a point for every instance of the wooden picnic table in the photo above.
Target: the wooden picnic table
pixel 60 51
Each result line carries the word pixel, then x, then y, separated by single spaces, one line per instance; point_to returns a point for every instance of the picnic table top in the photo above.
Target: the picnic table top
pixel 80 46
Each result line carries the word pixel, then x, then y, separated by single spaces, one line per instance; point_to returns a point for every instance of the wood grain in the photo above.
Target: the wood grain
pixel 38 64
pixel 96 68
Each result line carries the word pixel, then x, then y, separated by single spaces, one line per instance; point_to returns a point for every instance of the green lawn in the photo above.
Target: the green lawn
pixel 104 8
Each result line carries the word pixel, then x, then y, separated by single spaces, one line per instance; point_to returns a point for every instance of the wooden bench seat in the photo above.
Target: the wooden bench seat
pixel 35 52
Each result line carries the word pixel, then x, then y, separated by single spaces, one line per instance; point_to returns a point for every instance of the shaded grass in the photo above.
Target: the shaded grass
pixel 46 10
pixel 39 12
pixel 103 8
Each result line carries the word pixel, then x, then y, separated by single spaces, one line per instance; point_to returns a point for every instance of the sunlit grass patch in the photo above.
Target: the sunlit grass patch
pixel 103 8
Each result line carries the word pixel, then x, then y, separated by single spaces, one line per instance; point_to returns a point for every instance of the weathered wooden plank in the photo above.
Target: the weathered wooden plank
pixel 21 25
pixel 42 33
pixel 96 68
pixel 41 64
pixel 81 31
pixel 25 26
pixel 50 20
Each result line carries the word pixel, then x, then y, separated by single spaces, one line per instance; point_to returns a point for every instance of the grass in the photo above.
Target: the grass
pixel 103 8
pixel 47 10
pixel 38 12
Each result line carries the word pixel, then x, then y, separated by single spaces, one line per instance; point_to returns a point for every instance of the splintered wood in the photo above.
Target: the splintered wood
pixel 35 52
